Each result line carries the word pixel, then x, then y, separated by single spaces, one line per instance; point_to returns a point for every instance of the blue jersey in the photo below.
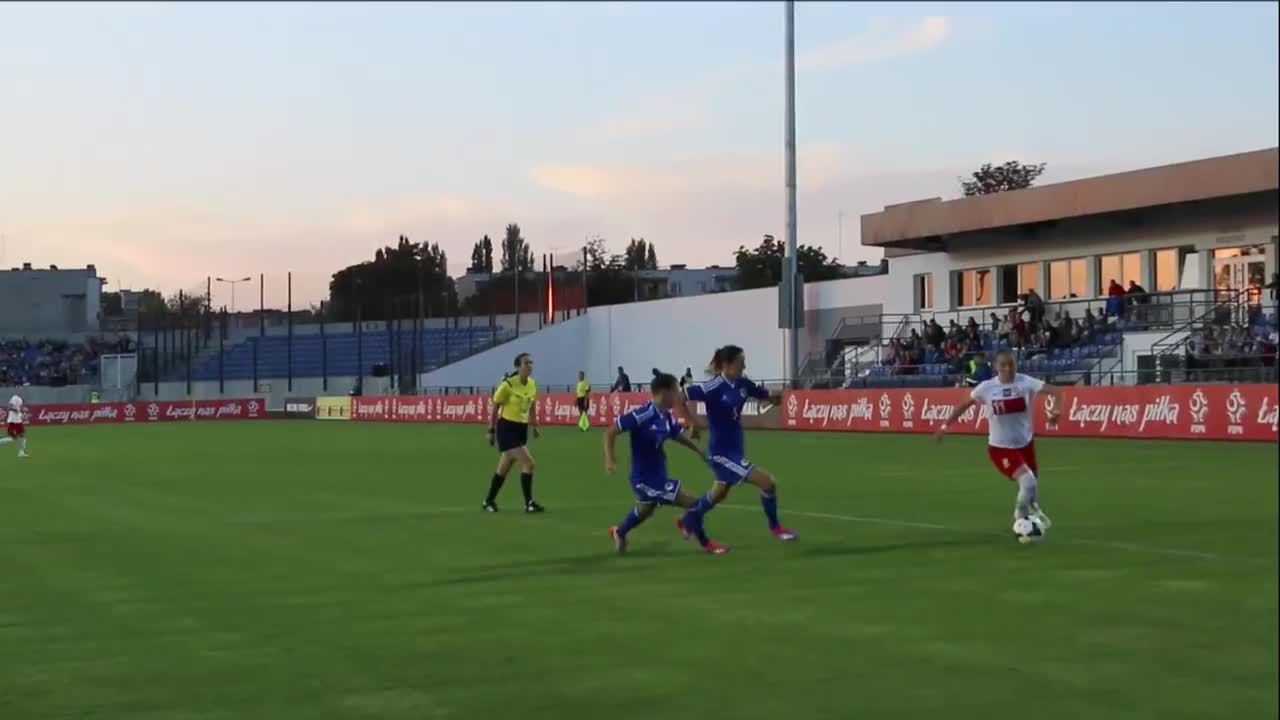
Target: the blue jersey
pixel 724 400
pixel 649 427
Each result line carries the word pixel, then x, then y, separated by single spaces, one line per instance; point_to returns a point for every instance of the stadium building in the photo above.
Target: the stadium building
pixel 1199 238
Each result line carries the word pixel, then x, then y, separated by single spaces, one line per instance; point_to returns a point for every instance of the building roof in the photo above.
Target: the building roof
pixel 917 224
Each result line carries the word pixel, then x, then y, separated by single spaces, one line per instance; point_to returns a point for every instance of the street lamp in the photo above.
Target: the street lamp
pixel 233 284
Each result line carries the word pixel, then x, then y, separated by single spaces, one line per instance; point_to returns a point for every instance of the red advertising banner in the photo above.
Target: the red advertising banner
pixel 148 412
pixel 550 409
pixel 1206 412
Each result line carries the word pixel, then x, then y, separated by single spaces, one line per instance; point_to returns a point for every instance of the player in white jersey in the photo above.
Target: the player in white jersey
pixel 1010 400
pixel 17 423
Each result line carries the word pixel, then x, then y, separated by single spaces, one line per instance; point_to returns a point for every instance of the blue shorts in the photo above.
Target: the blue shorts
pixel 730 470
pixel 656 491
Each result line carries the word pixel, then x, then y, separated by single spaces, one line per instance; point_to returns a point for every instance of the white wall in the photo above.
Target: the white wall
pixel 558 353
pixel 669 334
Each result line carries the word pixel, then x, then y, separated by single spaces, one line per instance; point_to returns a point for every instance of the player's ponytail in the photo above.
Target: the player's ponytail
pixel 717 362
pixel 722 357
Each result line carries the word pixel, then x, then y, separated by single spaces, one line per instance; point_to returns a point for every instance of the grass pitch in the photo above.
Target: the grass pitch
pixel 303 570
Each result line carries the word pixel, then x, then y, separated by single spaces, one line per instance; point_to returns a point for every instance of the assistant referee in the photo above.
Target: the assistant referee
pixel 583 392
pixel 509 427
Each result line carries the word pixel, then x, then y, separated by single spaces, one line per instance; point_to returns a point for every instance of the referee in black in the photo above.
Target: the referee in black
pixel 509 426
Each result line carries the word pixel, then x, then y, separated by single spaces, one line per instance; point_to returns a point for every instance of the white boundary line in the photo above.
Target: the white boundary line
pixel 861 519
pixel 1150 549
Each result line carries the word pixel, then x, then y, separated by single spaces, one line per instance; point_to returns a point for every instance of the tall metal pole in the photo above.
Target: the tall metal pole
pixel 289 320
pixel 792 272
pixel 840 236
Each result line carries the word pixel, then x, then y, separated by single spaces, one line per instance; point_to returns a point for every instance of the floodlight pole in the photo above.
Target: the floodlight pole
pixel 792 268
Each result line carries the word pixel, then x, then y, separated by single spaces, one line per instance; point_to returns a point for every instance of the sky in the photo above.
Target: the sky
pixel 169 142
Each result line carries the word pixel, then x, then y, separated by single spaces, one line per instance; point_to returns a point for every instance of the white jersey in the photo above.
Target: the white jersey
pixel 15 410
pixel 1011 420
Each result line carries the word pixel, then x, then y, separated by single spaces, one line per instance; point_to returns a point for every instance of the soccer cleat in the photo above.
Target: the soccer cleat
pixel 489 506
pixel 684 532
pixel 23 454
pixel 619 540
pixel 784 534
pixel 1038 515
pixel 534 507
pixel 714 548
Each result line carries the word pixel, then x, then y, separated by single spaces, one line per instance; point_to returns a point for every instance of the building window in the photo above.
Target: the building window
pixel 976 288
pixel 1168 269
pixel 1067 279
pixel 1123 269
pixel 1028 278
pixel 924 291
pixel 1016 280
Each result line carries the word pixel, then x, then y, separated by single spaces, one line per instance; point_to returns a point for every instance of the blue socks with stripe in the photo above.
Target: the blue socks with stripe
pixel 770 503
pixel 630 522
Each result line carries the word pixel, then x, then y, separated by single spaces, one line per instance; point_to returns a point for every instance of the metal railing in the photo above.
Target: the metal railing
pixel 1175 370
pixel 1229 309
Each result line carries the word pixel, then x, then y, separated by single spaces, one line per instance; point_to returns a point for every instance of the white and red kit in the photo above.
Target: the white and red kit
pixel 17 418
pixel 1010 422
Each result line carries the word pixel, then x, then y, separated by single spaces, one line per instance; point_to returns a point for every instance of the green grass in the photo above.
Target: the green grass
pixel 295 570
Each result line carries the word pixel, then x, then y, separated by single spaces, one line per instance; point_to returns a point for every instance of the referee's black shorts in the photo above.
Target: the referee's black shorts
pixel 510 435
pixel 582 404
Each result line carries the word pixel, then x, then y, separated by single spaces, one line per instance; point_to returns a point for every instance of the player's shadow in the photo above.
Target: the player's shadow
pixel 936 543
pixel 594 564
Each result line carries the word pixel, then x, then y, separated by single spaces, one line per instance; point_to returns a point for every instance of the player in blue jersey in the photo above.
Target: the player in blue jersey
pixel 649 427
pixel 724 396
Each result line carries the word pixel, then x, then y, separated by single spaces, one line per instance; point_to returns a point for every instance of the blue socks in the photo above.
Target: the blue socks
pixel 630 522
pixel 770 503
pixel 692 519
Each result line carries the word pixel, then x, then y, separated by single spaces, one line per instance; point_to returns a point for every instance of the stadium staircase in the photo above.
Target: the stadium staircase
pixel 1168 354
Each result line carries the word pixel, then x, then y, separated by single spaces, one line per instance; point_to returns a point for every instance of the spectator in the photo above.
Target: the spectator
pixel 1004 328
pixel 935 334
pixel 1115 300
pixel 1018 336
pixel 622 383
pixel 995 323
pixel 1034 305
pixel 955 332
pixel 1089 325
pixel 1066 330
pixel 980 371
pixel 687 379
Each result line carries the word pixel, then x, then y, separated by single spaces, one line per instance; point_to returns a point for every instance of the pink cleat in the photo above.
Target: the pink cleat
pixel 784 534
pixel 714 548
pixel 619 541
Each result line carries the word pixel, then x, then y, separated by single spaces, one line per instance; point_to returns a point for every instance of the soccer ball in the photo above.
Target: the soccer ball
pixel 1028 530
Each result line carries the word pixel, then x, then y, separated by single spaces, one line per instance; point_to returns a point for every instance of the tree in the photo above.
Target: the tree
pixel 651 260
pixel 637 252
pixel 183 304
pixel 762 267
pixel 481 256
pixel 990 179
pixel 598 257
pixel 515 250
pixel 392 282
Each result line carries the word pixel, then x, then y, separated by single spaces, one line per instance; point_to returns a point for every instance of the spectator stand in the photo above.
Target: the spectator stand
pixel 55 362
pixel 1234 341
